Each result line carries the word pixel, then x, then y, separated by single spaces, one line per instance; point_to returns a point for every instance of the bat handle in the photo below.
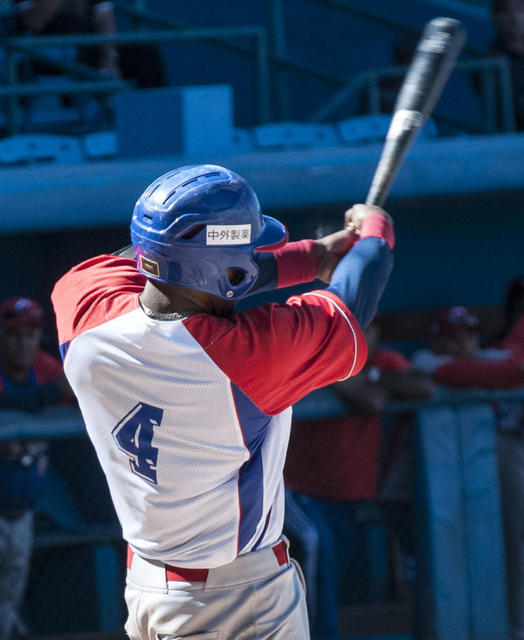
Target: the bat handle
pixel 373 198
pixel 393 152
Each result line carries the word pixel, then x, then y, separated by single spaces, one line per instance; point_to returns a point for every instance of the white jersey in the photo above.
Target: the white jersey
pixel 191 418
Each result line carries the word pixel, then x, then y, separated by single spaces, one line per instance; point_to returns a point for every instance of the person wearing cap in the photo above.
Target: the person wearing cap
pixel 30 378
pixel 454 357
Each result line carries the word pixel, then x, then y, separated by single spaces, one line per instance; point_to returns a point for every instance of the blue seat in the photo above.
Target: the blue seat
pixel 374 128
pixel 45 148
pixel 294 135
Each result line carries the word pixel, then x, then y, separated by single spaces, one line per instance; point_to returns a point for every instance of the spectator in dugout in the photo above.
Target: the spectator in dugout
pixel 333 467
pixel 455 359
pixel 30 379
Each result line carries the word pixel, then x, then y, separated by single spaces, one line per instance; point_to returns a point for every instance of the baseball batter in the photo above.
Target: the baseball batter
pixel 188 402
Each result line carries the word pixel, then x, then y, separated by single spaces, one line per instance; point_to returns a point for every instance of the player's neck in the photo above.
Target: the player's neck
pixel 162 298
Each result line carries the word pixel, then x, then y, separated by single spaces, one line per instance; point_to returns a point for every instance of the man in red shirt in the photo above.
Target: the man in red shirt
pixel 455 359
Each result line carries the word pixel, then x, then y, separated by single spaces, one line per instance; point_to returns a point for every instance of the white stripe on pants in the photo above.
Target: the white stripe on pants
pixel 251 598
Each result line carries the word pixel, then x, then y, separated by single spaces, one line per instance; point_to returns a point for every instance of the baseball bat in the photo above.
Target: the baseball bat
pixel 431 66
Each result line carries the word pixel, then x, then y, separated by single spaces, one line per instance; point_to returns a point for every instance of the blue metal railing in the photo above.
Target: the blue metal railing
pixel 30 46
pixel 268 48
pixel 64 422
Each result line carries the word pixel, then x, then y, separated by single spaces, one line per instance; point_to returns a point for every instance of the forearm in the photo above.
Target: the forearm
pixel 295 263
pixel 361 276
pixel 482 374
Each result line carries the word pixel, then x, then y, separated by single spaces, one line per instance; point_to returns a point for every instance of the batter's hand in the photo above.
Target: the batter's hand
pixel 354 217
pixel 333 247
pixel 330 250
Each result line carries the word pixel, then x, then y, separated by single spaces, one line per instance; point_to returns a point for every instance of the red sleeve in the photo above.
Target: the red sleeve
pixel 93 292
pixel 480 374
pixel 389 360
pixel 297 262
pixel 278 353
pixel 376 226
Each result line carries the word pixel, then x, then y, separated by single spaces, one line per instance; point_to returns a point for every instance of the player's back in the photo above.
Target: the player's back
pixel 163 418
pixel 182 447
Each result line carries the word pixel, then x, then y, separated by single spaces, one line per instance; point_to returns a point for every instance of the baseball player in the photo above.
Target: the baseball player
pixel 188 402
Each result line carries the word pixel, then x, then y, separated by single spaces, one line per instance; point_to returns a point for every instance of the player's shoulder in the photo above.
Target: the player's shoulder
pixel 95 291
pixel 209 329
pixel 312 313
pixel 110 267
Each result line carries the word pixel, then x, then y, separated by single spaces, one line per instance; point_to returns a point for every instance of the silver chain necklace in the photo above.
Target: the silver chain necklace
pixel 157 315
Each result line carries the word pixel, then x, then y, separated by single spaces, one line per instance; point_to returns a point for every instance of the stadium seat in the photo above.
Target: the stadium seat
pixel 373 128
pixel 241 141
pixel 34 148
pixel 100 145
pixel 294 135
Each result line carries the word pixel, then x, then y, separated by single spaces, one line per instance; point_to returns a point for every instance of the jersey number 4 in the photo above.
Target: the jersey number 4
pixel 134 436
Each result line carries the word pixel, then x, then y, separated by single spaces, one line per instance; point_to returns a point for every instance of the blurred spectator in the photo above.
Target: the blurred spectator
pixel 508 18
pixel 333 468
pixel 29 380
pixel 455 359
pixel 511 462
pixel 141 63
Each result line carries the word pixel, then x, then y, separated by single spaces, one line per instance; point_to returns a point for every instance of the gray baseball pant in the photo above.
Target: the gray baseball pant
pixel 252 598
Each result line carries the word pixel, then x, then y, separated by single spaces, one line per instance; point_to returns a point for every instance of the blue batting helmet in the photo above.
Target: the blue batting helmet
pixel 193 225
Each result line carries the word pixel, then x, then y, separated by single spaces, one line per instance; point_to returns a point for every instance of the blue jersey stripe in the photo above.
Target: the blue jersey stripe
pixel 63 349
pixel 253 423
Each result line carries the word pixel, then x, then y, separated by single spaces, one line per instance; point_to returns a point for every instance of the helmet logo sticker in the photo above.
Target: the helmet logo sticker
pixel 149 266
pixel 228 234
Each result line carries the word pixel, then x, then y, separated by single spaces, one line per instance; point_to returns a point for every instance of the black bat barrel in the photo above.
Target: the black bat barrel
pixel 435 57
